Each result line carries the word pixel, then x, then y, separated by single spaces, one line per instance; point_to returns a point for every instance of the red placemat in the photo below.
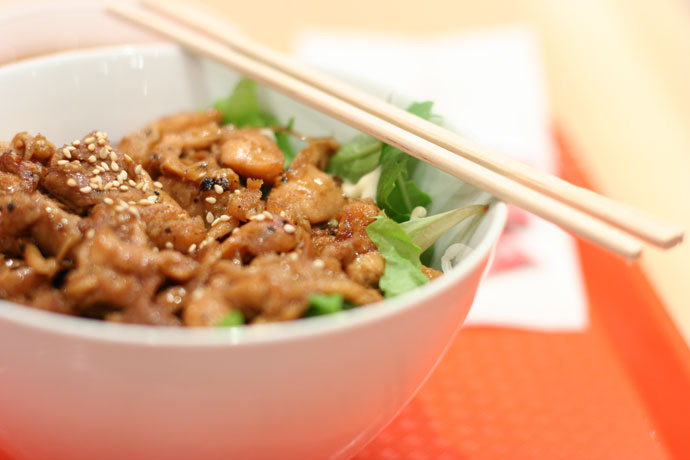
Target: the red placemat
pixel 617 391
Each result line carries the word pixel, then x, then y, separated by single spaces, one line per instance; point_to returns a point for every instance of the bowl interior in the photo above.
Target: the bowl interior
pixel 120 89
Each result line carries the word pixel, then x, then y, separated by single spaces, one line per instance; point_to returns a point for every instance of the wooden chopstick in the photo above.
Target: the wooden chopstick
pixel 502 187
pixel 632 220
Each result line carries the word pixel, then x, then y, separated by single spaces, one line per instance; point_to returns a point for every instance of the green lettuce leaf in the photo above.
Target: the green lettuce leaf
pixel 425 230
pixel 396 193
pixel 283 139
pixel 231 318
pixel 325 304
pixel 403 269
pixel 356 158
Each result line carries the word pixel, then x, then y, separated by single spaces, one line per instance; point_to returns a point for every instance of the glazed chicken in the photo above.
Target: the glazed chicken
pixel 184 221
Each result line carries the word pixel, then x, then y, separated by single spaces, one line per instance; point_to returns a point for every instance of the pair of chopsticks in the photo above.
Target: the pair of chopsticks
pixel 618 227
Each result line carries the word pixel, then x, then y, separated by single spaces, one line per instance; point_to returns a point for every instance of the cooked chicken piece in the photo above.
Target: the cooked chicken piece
pixel 366 269
pixel 247 202
pixel 348 238
pixel 139 144
pixel 277 288
pixel 54 230
pixel 18 174
pixel 211 195
pixel 112 274
pixel 270 235
pixel 317 153
pixel 430 272
pixel 35 148
pixel 308 193
pixel 252 154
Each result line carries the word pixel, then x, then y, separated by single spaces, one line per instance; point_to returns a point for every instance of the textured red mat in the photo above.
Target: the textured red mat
pixel 617 391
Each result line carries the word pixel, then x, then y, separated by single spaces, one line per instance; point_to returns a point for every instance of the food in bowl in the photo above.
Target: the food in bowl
pixel 212 218
pixel 316 388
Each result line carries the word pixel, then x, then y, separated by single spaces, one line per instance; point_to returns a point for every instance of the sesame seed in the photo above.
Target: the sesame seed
pixel 127 157
pixel 49 209
pixel 122 176
pixel 135 212
pixel 318 263
pixel 103 154
pixel 211 200
pixel 237 191
pixel 152 198
pixel 268 214
pixel 131 202
pixel 91 147
pixel 71 148
pixel 282 214
pixel 235 230
pixel 91 159
pixel 132 183
pixel 76 142
pixel 108 200
pixel 105 166
pixel 124 188
pixel 104 134
pixel 293 256
pixel 114 166
pixel 96 171
pixel 101 141
pixel 89 140
pixel 192 248
pixel 258 217
pixel 113 156
pixel 62 162
pixel 169 245
pixel 116 183
pixel 218 189
pixel 90 233
pixel 144 202
pixel 209 217
pixel 125 205
pixel 145 187
pixel 71 182
pixel 215 222
pixel 66 152
pixel 157 184
pixel 86 189
pixel 289 228
pixel 138 169
pixel 224 218
pixel 139 185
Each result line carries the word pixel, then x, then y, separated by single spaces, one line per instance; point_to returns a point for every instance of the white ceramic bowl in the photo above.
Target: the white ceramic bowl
pixel 318 388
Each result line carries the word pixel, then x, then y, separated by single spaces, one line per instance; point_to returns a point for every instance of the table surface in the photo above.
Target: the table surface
pixel 618 75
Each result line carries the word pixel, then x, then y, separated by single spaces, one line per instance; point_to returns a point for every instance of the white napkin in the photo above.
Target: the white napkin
pixel 490 83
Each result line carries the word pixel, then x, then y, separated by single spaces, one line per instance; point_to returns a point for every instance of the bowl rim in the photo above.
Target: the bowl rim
pixel 133 334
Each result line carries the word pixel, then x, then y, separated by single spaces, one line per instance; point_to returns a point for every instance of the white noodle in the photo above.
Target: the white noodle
pixel 453 254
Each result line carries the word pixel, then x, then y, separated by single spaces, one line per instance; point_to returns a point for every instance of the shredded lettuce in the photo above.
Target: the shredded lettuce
pixel 231 318
pixel 241 108
pixel 403 269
